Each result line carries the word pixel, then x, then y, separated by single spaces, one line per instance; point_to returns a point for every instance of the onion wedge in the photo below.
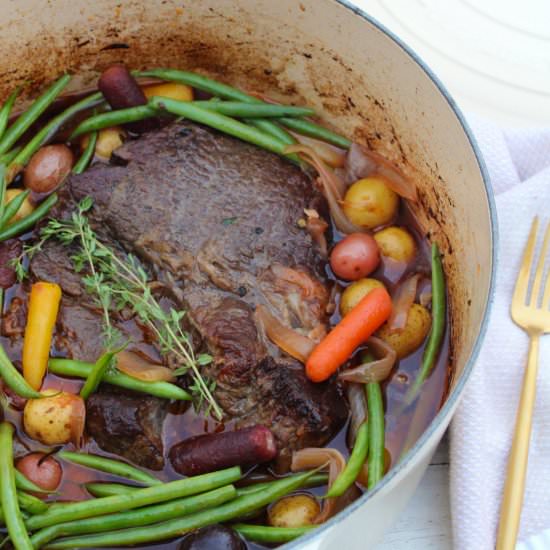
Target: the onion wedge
pixel 362 162
pixel 137 367
pixel 403 299
pixel 314 457
pixel 373 371
pixel 289 340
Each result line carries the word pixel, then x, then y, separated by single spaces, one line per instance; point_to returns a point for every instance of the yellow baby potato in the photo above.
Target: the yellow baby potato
pixel 355 292
pixel 396 243
pixel 370 203
pixel 408 340
pixel 293 511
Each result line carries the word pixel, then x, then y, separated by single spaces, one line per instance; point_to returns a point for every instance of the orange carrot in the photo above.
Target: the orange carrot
pixel 353 330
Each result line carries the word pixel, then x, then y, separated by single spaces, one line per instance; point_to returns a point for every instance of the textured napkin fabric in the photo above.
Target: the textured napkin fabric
pixel 481 433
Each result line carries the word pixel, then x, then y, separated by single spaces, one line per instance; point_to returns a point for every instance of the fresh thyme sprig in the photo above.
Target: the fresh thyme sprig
pixel 122 282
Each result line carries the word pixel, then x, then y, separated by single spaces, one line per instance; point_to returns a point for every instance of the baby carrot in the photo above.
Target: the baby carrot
pixel 43 307
pixel 352 331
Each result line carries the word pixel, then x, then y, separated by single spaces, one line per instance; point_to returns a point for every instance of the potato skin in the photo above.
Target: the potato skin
pixel 408 340
pixel 108 141
pixel 171 90
pixel 370 203
pixel 355 292
pixel 52 420
pixel 293 511
pixel 355 256
pixel 42 470
pixel 48 167
pixel 396 243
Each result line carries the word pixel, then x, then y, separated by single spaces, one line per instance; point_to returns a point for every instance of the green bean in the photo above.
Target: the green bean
pixel 80 369
pixel 110 466
pixel 316 480
pixel 271 535
pixel 137 499
pixel 8 157
pixel 143 516
pixel 29 221
pixel 222 90
pixel 240 109
pixel 199 82
pixel 220 122
pixel 375 407
pixel 52 127
pixel 6 110
pixel 316 131
pixel 8 495
pixel 272 129
pixel 13 378
pixel 113 118
pixel 227 92
pixel 101 489
pixel 31 504
pixel 177 527
pixel 85 158
pixel 3 185
pixel 12 208
pixel 25 484
pixel 24 121
pixel 358 456
pixel 433 346
pixel 96 374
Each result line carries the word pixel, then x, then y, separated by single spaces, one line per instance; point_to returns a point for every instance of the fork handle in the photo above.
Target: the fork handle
pixel 510 511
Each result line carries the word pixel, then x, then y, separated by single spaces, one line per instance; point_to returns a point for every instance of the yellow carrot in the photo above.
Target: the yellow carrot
pixel 43 307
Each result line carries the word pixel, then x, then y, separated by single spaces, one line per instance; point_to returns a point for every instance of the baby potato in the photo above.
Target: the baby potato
pixel 48 167
pixel 171 90
pixel 41 469
pixel 396 243
pixel 55 420
pixel 24 210
pixel 293 511
pixel 405 341
pixel 355 292
pixel 108 140
pixel 369 203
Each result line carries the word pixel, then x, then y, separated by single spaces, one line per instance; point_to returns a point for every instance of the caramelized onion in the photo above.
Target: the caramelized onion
pixel 316 227
pixel 314 457
pixel 326 174
pixel 362 162
pixel 358 408
pixel 137 367
pixel 77 421
pixel 289 340
pixel 373 371
pixel 403 299
pixel 357 165
pixel 328 153
pixel 393 270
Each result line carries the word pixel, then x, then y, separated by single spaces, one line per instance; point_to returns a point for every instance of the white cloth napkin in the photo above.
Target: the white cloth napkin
pixel 481 432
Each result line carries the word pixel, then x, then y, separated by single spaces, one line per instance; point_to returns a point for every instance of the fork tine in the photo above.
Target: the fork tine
pixel 540 269
pixel 522 283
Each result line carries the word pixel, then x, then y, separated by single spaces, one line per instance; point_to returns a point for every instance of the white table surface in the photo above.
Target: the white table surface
pixel 426 522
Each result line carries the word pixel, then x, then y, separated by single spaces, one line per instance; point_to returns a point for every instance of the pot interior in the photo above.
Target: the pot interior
pixel 360 81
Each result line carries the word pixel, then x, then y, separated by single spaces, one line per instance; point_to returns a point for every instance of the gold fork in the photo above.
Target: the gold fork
pixel 535 320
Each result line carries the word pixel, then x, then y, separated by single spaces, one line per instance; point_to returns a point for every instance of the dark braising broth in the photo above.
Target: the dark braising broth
pixel 404 419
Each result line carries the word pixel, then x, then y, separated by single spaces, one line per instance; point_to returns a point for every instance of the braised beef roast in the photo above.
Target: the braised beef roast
pixel 216 220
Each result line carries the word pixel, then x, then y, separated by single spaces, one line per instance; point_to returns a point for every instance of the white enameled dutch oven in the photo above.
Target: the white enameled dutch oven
pixel 362 81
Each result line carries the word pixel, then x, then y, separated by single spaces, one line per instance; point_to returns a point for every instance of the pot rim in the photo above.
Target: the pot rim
pixel 457 391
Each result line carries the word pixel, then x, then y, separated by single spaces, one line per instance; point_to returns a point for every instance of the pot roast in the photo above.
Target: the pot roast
pixel 215 222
